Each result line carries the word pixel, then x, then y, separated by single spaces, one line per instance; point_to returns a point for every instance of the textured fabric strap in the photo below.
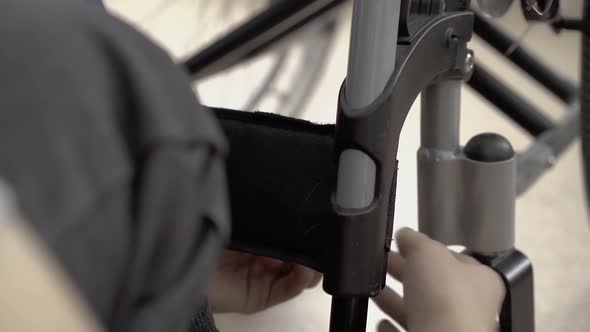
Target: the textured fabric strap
pixel 280 174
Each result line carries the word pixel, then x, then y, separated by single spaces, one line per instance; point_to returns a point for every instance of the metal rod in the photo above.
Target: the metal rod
pixel 373 44
pixel 513 105
pixel 525 59
pixel 568 24
pixel 371 62
pixel 261 31
pixel 439 147
pixel 547 148
pixel 440 120
pixel 349 314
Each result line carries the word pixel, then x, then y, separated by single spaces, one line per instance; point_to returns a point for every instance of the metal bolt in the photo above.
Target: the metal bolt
pixel 452 40
pixel 469 63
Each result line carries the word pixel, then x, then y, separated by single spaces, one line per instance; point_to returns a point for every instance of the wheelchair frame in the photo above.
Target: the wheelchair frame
pixel 399 50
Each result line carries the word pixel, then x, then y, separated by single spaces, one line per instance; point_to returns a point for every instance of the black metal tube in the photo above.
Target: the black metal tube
pixel 349 314
pixel 568 24
pixel 522 57
pixel 513 105
pixel 279 20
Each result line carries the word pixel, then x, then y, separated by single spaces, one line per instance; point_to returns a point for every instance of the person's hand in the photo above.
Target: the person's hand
pixel 245 283
pixel 443 291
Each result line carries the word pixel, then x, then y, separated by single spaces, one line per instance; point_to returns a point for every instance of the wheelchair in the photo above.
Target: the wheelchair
pixel 334 186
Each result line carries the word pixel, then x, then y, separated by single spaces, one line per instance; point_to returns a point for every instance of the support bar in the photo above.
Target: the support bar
pixel 371 64
pixel 547 148
pixel 441 112
pixel 523 58
pixel 513 105
pixel 280 19
pixel 349 314
pixel 373 42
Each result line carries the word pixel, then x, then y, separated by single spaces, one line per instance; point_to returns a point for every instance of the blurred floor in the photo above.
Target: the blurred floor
pixel 552 225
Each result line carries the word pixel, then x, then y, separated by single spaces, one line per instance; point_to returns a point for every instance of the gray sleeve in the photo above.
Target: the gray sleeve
pixel 112 160
pixel 203 321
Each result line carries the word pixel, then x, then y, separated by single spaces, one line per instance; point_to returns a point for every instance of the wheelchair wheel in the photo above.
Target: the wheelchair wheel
pixel 278 81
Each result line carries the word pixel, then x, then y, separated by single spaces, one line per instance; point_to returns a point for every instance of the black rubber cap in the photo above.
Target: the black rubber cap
pixel 489 148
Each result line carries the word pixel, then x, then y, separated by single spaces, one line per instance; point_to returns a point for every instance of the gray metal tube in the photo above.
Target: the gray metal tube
pixel 466 202
pixel 461 201
pixel 373 43
pixel 371 64
pixel 439 161
pixel 440 119
pixel 439 182
pixel 487 206
pixel 542 154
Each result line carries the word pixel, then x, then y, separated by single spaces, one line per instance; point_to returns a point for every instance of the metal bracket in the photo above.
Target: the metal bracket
pixel 518 311
pixel 356 253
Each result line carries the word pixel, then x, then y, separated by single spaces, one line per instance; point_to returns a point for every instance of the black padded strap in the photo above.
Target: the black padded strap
pixel 280 173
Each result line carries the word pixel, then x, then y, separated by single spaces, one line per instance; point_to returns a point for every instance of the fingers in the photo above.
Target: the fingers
pixel 271 264
pixel 494 286
pixel 261 266
pixel 409 241
pixel 315 280
pixel 392 304
pixel 304 277
pixel 288 286
pixel 301 277
pixel 386 326
pixel 395 265
pixel 466 259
